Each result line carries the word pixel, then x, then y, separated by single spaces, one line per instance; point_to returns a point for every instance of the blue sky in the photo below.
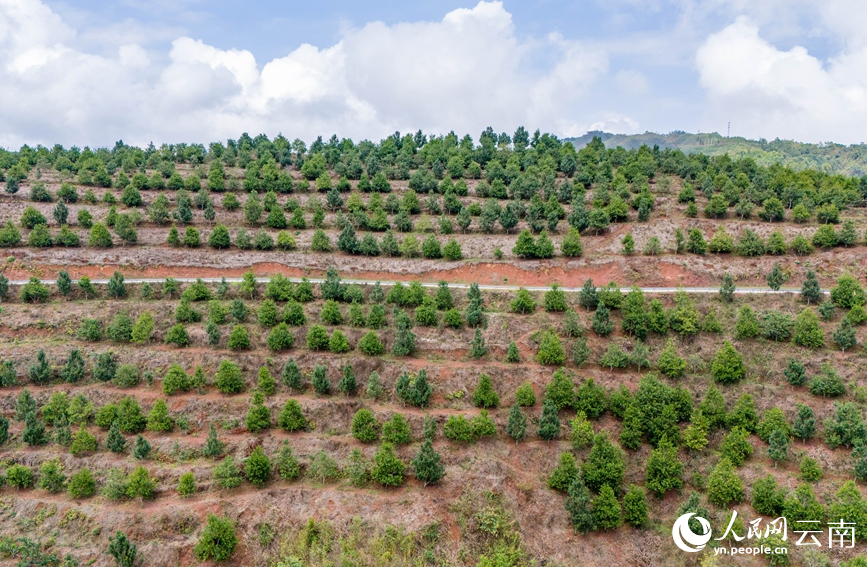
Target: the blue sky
pixel 189 70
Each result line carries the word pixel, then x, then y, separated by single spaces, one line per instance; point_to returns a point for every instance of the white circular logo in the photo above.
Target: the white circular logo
pixel 685 538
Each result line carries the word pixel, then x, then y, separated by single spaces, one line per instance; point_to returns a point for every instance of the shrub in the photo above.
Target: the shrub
pixel 178 336
pixel 238 338
pixel 317 338
pixel 371 345
pixel 257 468
pixel 81 485
pixel 19 476
pixel 388 469
pixel 484 396
pixel 723 485
pixel 218 540
pixel 229 379
pixel 728 365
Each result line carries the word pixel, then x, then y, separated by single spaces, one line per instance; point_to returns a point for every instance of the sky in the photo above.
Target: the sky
pixel 163 71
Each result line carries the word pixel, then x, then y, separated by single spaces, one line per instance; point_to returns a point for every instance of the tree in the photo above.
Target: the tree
pixel 779 446
pixel 844 336
pixel 723 484
pixel 664 469
pixel 320 382
pixel 564 473
pixel 365 428
pixel 228 378
pixel 512 353
pixel 588 297
pixel 426 465
pixel 116 286
pixel 388 469
pixel 40 371
pixel 776 277
pixel 81 484
pixel 736 446
pixel 807 332
pixel 555 300
pixel 140 484
pixel 810 291
pixel 478 349
pixel 258 416
pixel 218 540
pixel 727 289
pixel 549 422
pixel 804 426
pixel 484 396
pixel 227 474
pixel 601 323
pixel 287 465
pixel 525 246
pixel 404 339
pixel 606 509
pixel 635 507
pixel 551 350
pixel 571 246
pixel 516 427
pixel 669 363
pixel 728 365
pixel 847 293
pixel 34 431
pixel 51 477
pixel 578 505
pixel 141 449
pixel 257 467
pixel 123 550
pixel 115 441
pixel 604 464
pixel 523 302
pixel 158 418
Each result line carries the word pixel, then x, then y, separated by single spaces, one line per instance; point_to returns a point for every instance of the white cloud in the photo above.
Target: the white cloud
pixel 771 93
pixel 465 72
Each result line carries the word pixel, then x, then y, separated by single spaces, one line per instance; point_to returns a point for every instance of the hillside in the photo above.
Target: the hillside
pixel 425 352
pixel 830 157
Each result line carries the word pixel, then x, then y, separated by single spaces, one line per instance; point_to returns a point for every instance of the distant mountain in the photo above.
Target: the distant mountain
pixel 833 158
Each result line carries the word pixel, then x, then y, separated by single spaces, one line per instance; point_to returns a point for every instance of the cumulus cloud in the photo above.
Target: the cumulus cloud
pixel 466 71
pixel 769 92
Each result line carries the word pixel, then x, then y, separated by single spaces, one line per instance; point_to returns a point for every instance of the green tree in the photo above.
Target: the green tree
pixel 606 509
pixel 484 396
pixel 426 465
pixel 257 467
pixel 635 507
pixel 604 464
pixel 122 550
pixel 578 506
pixel 81 485
pixel 776 277
pixel 724 487
pixel 810 291
pixel 727 289
pixel 736 446
pixel 227 474
pixel 140 484
pixel 807 332
pixel 664 469
pixel 388 469
pixel 218 540
pixel 564 473
pixel 549 422
pixel 365 428
pixel 158 418
pixel 728 365
pixel 516 427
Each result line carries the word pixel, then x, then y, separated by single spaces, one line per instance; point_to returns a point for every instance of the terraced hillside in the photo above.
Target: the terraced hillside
pixel 362 378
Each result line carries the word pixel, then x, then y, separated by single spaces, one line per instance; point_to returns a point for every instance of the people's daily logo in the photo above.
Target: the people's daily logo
pixel 685 538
